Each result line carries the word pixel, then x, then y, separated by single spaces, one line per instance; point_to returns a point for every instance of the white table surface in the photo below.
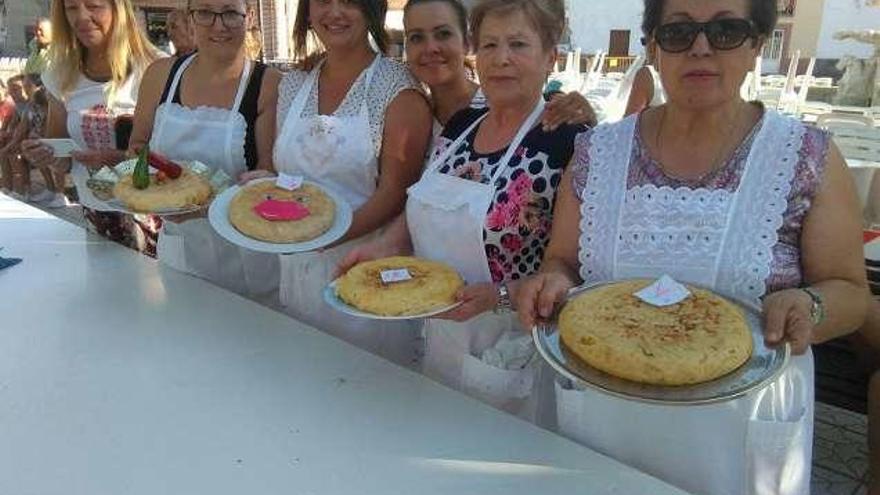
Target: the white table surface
pixel 121 377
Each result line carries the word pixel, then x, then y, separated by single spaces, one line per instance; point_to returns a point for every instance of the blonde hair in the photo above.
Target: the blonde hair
pixel 129 50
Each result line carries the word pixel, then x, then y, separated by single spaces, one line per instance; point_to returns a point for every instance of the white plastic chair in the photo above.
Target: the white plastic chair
pixel 844 119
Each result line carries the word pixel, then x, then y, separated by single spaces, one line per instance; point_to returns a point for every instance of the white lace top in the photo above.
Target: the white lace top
pixel 389 79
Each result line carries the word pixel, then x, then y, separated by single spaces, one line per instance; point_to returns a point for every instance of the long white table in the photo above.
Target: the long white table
pixel 118 376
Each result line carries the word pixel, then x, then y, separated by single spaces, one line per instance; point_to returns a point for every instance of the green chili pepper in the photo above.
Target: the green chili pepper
pixel 141 176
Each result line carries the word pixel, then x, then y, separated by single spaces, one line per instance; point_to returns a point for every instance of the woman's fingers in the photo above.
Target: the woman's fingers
pixel 787 319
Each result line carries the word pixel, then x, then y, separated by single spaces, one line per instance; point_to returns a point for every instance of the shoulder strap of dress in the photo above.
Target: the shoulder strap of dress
pixel 371 69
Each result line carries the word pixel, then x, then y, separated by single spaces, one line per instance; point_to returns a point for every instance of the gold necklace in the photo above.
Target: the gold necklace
pixel 717 163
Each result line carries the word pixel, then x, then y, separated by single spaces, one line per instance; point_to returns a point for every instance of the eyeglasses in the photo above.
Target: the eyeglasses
pixel 723 34
pixel 207 18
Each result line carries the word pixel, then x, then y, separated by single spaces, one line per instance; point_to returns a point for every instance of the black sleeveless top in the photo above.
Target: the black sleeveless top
pixel 247 109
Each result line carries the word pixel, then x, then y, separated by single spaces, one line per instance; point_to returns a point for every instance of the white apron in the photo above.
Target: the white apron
pixel 338 153
pixel 90 124
pixel 758 444
pixel 446 216
pixel 215 137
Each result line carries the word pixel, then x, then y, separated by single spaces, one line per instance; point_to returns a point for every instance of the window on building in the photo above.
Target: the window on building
pixel 773 47
pixel 785 7
pixel 618 43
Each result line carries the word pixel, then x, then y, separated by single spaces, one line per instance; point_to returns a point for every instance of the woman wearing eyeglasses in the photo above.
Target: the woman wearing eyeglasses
pixel 723 193
pixel 218 107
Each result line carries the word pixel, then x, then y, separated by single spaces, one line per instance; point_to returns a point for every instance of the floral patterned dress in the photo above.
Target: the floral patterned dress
pixel 518 222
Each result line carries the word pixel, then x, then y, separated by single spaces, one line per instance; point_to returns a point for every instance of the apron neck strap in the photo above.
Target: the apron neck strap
pixel 178 75
pixel 242 82
pixel 518 139
pixel 299 103
pixel 511 148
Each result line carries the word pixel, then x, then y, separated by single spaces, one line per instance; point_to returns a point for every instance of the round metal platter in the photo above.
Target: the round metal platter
pixel 764 366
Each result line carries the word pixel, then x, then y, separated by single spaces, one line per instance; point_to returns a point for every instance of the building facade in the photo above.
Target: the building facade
pixel 17 19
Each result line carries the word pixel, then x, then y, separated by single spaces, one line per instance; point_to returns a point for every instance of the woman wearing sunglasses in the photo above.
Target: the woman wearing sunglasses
pixel 718 192
pixel 218 107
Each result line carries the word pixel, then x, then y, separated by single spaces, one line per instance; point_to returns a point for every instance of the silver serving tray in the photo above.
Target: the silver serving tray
pixel 764 366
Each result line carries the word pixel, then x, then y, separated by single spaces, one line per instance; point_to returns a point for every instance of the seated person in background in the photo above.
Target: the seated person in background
pixel 52 196
pixel 10 141
pixel 647 90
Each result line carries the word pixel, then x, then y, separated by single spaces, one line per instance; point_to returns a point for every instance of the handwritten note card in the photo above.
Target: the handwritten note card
pixel 664 292
pixel 391 276
pixel 289 182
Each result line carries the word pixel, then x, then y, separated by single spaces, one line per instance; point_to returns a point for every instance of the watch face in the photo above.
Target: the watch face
pixel 815 313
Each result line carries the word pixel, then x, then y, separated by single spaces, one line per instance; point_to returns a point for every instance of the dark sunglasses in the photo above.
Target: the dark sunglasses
pixel 723 34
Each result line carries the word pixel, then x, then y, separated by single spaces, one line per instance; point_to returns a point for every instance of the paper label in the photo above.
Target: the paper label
pixel 289 182
pixel 391 276
pixel 664 292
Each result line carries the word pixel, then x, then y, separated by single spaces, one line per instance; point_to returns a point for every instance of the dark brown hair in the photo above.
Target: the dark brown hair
pixel 546 16
pixel 374 12
pixel 457 7
pixel 761 12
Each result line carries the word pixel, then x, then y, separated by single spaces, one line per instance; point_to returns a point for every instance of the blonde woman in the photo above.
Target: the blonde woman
pixel 97 58
pixel 217 106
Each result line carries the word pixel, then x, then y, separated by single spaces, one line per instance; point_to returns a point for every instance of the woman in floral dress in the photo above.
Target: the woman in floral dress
pixel 484 206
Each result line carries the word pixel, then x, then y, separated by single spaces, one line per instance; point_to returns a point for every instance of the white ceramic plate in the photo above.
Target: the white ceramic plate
pixel 764 366
pixel 217 179
pixel 333 300
pixel 218 216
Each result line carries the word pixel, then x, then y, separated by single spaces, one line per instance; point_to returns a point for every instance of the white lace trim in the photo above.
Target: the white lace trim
pixel 712 237
pixel 238 131
pixel 660 226
pixel 759 208
pixel 602 198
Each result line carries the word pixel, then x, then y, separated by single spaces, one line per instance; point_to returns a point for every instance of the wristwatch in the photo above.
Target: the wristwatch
pixel 503 305
pixel 817 309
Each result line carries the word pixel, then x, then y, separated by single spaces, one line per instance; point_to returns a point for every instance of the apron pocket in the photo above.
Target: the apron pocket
pixel 510 390
pixel 778 456
pixel 569 402
pixel 170 250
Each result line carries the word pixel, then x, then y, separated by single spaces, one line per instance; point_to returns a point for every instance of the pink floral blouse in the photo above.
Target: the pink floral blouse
pixel 518 222
pixel 785 268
